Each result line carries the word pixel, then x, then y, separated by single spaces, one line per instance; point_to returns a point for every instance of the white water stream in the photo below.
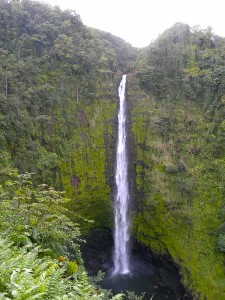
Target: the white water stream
pixel 121 226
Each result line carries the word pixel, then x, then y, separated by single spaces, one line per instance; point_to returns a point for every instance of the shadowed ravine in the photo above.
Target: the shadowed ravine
pixel 129 266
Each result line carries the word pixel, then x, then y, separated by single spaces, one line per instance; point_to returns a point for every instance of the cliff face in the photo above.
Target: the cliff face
pixel 178 130
pixel 178 196
pixel 87 170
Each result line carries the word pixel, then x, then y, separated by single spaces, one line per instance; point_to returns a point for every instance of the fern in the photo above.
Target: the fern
pixel 35 229
pixel 26 276
pixel 37 216
pixel 54 288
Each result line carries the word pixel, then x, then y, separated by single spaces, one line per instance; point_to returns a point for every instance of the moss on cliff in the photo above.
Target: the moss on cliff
pixel 180 186
pixel 85 169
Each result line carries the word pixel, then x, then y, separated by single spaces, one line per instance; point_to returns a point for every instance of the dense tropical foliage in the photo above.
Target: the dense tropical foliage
pixel 58 129
pixel 53 73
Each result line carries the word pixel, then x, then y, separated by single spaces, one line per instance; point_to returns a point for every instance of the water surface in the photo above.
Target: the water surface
pixel 138 283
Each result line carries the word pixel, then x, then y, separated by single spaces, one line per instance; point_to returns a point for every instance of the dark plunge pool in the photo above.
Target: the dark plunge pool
pixel 139 284
pixel 150 274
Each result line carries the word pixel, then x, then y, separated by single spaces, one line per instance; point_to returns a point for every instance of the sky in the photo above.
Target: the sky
pixel 139 22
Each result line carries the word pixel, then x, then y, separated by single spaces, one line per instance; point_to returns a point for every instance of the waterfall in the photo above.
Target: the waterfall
pixel 121 226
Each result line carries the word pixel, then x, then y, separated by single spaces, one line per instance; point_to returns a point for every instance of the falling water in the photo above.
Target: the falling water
pixel 121 227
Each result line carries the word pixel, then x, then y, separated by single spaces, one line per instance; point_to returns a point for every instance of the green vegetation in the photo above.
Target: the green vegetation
pixel 36 216
pixel 57 109
pixel 35 237
pixel 180 155
pixel 58 102
pixel 58 122
pixel 184 63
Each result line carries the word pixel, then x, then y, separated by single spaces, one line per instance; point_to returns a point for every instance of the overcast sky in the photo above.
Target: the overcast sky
pixel 141 21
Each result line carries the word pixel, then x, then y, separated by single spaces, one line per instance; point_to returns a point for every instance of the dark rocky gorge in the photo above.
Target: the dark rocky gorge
pixel 151 273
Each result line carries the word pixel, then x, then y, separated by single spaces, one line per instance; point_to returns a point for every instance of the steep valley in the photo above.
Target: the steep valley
pixel 58 128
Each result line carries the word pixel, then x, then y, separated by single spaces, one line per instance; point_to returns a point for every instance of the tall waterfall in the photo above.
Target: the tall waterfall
pixel 121 226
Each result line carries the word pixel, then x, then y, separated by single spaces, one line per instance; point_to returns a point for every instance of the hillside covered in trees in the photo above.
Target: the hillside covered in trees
pixel 58 107
pixel 180 162
pixel 58 95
